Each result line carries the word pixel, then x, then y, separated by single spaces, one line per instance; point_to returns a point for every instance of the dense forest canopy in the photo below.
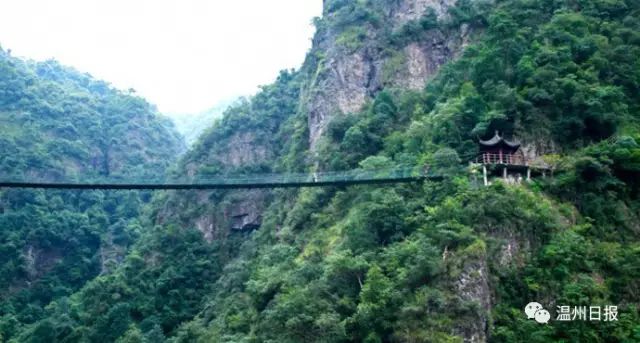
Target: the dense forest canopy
pixel 59 124
pixel 445 261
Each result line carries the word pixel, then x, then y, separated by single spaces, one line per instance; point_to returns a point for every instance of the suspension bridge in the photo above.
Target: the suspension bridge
pixel 505 159
pixel 284 180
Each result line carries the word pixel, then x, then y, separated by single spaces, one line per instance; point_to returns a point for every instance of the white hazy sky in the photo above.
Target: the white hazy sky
pixel 182 55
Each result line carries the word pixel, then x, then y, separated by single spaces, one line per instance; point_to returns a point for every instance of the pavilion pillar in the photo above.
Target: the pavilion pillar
pixel 504 172
pixel 484 174
pixel 528 174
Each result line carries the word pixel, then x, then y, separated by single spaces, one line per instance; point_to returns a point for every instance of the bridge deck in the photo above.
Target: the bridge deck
pixel 320 179
pixel 178 186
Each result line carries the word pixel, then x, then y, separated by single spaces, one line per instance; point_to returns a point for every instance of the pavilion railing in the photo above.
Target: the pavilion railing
pixel 511 159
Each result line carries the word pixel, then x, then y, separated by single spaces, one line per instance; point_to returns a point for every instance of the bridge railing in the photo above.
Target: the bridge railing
pixel 355 175
pixel 313 177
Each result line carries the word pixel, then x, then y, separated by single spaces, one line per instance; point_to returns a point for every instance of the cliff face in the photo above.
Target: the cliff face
pixel 349 65
pixel 355 63
pixel 247 139
pixel 216 215
pixel 345 70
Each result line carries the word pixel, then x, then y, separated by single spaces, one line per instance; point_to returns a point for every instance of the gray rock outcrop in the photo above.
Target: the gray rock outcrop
pixel 346 78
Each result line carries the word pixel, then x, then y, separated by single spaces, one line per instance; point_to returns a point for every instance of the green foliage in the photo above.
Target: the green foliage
pixel 59 124
pixel 393 65
pixel 347 13
pixel 351 139
pixel 602 181
pixel 415 30
pixel 406 263
pixel 260 122
pixel 351 39
pixel 558 74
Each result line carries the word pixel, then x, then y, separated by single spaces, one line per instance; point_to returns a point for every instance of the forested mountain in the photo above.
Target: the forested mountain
pixel 61 125
pixel 191 126
pixel 398 82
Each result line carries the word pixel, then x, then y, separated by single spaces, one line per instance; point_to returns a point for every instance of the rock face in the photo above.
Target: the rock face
pixel 244 150
pixel 346 78
pixel 236 210
pixel 424 59
pixel 240 150
pixel 345 86
pixel 407 10
pixel 111 254
pixel 206 225
pixel 534 150
pixel 39 261
pixel 473 286
pixel 246 213
pixel 509 251
pixel 241 211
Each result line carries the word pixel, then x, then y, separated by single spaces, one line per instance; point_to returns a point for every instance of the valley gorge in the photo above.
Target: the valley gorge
pixel 387 83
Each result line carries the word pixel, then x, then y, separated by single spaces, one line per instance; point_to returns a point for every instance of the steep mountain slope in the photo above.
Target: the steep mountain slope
pixel 59 124
pixel 445 261
pixel 362 47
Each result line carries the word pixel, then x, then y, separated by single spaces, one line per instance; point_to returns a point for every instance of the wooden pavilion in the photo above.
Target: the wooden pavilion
pixel 504 154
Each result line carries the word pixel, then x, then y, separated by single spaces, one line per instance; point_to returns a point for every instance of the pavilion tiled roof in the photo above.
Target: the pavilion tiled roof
pixel 497 139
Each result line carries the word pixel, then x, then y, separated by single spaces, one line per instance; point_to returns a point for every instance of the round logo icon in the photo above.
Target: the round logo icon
pixel 542 316
pixel 531 309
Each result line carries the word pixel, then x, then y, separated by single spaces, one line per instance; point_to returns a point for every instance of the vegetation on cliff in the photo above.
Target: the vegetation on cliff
pixel 444 261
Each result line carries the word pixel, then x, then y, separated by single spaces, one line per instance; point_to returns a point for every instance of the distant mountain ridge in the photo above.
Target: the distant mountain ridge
pixel 66 122
pixel 192 125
